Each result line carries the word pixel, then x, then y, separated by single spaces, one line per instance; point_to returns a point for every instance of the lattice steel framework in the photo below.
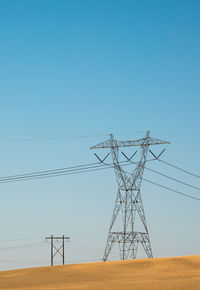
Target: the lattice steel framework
pixel 128 201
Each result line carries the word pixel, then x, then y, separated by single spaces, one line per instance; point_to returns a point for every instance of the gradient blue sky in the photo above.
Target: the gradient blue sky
pixel 88 68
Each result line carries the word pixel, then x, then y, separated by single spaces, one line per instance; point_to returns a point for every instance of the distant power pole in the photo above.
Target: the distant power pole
pixel 128 205
pixel 57 250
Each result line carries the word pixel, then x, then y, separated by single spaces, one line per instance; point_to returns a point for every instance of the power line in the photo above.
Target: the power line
pixel 172 178
pixel 22 239
pixel 50 138
pixel 81 249
pixel 176 167
pixel 57 172
pixel 84 250
pixel 88 247
pixel 84 168
pixel 169 177
pixel 22 261
pixel 75 245
pixel 72 245
pixel 171 189
pixel 25 246
pixel 48 171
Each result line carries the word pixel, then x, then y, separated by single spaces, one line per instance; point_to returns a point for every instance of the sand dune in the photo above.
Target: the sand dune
pixel 158 273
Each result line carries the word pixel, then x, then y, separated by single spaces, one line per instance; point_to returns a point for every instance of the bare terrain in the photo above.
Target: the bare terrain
pixel 157 273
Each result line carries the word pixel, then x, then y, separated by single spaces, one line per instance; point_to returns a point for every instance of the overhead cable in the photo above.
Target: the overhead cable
pixel 50 138
pixel 88 168
pixel 172 178
pixel 171 189
pixel 57 172
pixel 176 167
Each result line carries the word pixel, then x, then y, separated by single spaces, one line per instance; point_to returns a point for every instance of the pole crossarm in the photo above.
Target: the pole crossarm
pixel 57 238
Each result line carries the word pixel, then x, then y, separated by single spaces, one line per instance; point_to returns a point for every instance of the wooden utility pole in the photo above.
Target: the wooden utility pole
pixel 57 250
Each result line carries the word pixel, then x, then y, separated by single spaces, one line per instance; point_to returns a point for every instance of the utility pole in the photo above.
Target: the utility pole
pixel 57 250
pixel 128 205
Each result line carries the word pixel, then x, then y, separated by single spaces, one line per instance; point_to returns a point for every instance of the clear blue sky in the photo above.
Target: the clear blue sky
pixel 87 68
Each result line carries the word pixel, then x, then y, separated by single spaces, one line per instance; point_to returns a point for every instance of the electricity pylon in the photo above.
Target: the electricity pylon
pixel 128 201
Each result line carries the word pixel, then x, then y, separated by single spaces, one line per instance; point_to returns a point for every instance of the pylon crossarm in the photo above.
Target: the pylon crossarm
pixel 146 141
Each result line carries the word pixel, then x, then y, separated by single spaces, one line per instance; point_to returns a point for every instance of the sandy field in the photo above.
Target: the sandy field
pixel 158 273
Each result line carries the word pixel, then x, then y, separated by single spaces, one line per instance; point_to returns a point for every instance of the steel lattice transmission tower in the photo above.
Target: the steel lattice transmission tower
pixel 128 202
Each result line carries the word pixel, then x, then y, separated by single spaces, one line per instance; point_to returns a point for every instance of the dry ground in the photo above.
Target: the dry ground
pixel 158 273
